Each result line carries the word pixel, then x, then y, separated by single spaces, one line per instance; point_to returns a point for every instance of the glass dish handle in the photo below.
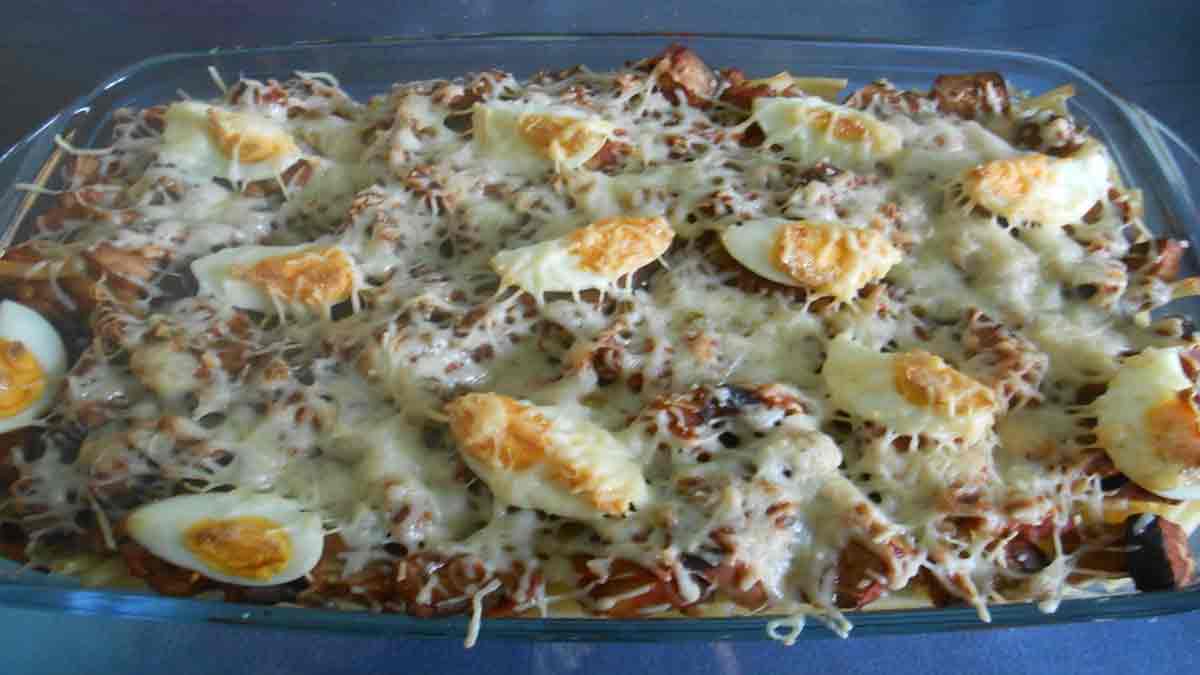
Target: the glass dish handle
pixel 1168 145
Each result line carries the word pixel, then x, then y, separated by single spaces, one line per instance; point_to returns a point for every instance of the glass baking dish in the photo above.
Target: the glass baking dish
pixel 1150 156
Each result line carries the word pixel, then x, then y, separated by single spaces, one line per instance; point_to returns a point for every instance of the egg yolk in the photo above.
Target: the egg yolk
pixel 994 183
pixel 248 139
pixel 926 380
pixel 507 435
pixel 249 547
pixel 556 137
pixel 844 128
pixel 315 277
pixel 499 430
pixel 21 378
pixel 1174 431
pixel 617 246
pixel 811 253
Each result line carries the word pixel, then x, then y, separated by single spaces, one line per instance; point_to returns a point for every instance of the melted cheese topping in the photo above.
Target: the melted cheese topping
pixel 782 358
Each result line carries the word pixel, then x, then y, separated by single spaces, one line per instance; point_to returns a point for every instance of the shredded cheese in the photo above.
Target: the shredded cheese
pixel 786 355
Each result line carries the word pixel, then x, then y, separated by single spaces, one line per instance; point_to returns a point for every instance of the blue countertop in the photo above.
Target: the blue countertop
pixel 52 51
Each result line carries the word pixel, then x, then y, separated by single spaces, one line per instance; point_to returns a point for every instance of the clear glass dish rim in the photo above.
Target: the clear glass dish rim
pixel 58 594
pixel 442 38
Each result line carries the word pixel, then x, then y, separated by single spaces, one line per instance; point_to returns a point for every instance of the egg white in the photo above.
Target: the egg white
pixel 1142 382
pixel 496 128
pixel 553 266
pixel 546 267
pixel 19 323
pixel 752 244
pixel 785 122
pixel 571 446
pixel 160 528
pixel 188 145
pixel 214 272
pixel 861 381
pixel 1061 194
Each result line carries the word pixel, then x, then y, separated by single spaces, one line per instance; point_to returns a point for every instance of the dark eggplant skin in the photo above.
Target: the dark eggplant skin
pixel 1159 557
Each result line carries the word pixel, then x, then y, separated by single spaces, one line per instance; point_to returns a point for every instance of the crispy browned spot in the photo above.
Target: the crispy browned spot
pixel 860 574
pixel 971 94
pixel 1159 258
pixel 683 73
pixel 909 101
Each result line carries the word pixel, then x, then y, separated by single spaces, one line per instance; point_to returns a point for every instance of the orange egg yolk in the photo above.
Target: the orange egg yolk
pixel 21 378
pixel 1006 179
pixel 246 138
pixel 315 277
pixel 617 246
pixel 844 128
pixel 550 134
pixel 249 547
pixel 1174 427
pixel 924 379
pixel 812 254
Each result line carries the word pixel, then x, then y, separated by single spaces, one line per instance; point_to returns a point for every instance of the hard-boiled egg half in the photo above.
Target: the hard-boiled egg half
pixel 536 135
pixel 235 145
pixel 545 457
pixel 595 256
pixel 1037 188
pixel 811 129
pixel 824 258
pixel 301 279
pixel 33 363
pixel 236 537
pixel 1149 424
pixel 907 392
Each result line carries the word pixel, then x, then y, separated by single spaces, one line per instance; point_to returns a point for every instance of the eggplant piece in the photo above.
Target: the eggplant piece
pixel 1025 555
pixel 1159 558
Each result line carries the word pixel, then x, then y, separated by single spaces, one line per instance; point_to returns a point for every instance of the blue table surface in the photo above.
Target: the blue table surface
pixel 52 51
